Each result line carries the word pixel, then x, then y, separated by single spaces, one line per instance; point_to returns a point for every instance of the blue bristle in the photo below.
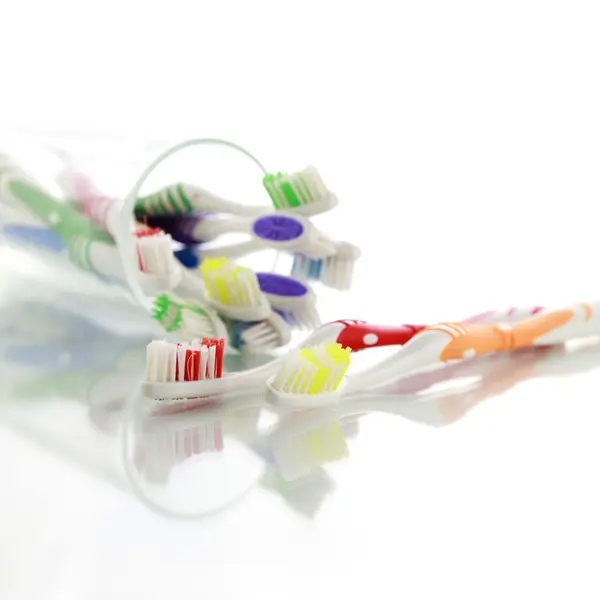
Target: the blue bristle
pixel 315 268
pixel 307 267
pixel 235 330
pixel 187 257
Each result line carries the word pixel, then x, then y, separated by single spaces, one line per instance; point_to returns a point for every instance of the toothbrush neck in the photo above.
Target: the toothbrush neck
pixel 360 335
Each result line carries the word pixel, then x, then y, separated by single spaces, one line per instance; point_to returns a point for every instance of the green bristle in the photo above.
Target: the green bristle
pixel 170 313
pixel 167 312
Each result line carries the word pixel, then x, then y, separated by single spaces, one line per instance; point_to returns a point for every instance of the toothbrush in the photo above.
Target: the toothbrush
pixel 233 290
pixel 89 247
pixel 305 440
pixel 293 300
pixel 434 345
pixel 335 271
pixel 94 250
pixel 302 442
pixel 263 336
pixel 280 231
pixel 80 188
pixel 163 383
pixel 303 192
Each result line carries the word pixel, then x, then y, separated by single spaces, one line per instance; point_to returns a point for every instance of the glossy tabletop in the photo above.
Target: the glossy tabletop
pixel 470 480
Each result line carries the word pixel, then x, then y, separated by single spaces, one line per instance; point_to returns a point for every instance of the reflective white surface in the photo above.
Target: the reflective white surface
pixel 452 479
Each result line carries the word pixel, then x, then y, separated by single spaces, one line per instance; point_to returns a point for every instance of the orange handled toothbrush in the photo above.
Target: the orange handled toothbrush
pixel 314 376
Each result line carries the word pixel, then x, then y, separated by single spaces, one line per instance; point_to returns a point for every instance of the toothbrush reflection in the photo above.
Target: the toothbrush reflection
pixel 192 457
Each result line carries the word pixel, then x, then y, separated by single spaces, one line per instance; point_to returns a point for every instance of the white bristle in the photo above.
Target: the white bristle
pixel 261 334
pixel 337 273
pixel 156 254
pixel 241 285
pixel 309 188
pixel 273 332
pixel 234 291
pixel 168 361
pixel 161 361
pixel 294 370
pixel 315 183
pixel 194 325
pixel 203 361
pixel 334 271
pixel 304 316
pixel 302 365
pixel 181 361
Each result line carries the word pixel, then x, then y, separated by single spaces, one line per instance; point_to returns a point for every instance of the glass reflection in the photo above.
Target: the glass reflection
pixel 297 447
pixel 73 385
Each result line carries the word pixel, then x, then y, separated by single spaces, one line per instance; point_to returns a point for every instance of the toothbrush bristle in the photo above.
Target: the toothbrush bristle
pixel 230 284
pixel 266 335
pixel 188 321
pixel 334 271
pixel 305 318
pixel 291 299
pixel 299 189
pixel 315 370
pixel 155 252
pixel 174 361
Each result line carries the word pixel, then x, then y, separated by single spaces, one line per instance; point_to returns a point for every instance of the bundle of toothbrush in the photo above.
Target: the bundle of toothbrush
pixel 254 311
pixel 314 374
pixel 192 288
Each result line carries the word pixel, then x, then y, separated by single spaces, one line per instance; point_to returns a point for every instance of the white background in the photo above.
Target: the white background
pixel 463 139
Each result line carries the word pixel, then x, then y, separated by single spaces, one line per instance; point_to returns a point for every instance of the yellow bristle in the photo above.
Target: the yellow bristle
pixel 228 283
pixel 314 370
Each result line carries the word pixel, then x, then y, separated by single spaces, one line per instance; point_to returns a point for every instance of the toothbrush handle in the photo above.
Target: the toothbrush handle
pixel 358 335
pixel 550 328
pixel 514 313
pixel 80 188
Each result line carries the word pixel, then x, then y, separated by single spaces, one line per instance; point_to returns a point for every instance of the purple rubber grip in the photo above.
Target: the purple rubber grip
pixel 179 227
pixel 280 285
pixel 277 228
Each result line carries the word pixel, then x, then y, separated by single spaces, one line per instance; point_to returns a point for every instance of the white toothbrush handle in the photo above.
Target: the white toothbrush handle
pixel 421 351
pixel 209 229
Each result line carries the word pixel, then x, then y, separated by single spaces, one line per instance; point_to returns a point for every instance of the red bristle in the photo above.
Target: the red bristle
pixel 192 365
pixel 146 231
pixel 219 357
pixel 177 361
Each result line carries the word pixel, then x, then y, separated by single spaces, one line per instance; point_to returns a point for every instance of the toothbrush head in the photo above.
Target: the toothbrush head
pixel 187 321
pixel 234 290
pixel 293 233
pixel 303 192
pixel 334 271
pixel 263 336
pixel 274 332
pixel 310 377
pixel 155 252
pixel 293 300
pixel 172 361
